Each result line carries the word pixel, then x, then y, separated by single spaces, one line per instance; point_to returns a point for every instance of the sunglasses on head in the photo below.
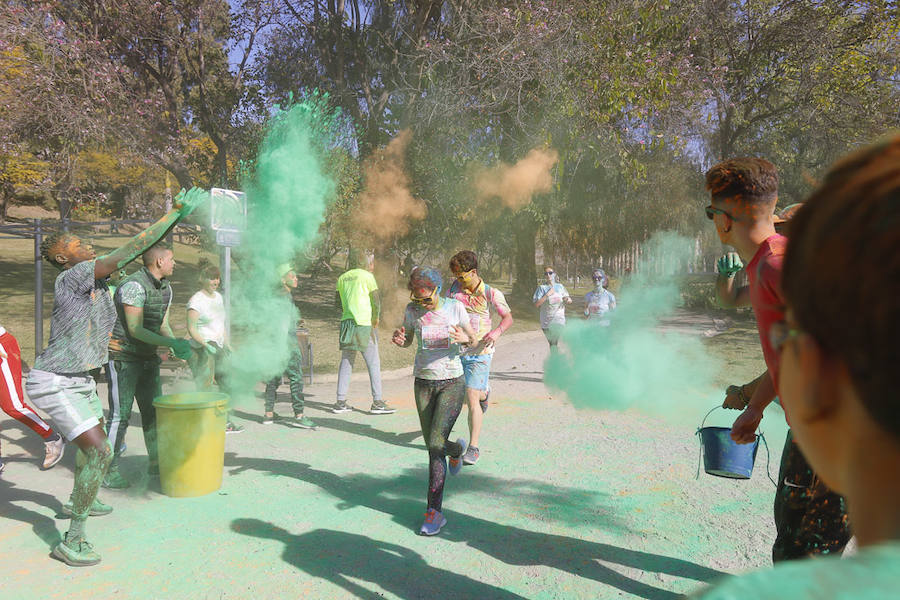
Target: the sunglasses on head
pixel 712 211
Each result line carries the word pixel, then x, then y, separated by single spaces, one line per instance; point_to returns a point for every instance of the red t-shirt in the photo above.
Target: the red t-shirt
pixel 764 274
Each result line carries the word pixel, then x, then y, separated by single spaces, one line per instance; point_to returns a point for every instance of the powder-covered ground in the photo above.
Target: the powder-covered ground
pixel 563 504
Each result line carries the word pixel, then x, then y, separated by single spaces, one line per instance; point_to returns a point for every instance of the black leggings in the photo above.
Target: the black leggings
pixel 439 403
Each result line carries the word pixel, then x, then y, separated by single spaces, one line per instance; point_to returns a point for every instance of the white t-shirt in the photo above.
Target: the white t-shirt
pixel 437 357
pixel 553 310
pixel 211 320
pixel 597 303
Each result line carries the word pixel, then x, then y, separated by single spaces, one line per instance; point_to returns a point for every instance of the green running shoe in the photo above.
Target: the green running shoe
pixel 76 553
pixel 115 481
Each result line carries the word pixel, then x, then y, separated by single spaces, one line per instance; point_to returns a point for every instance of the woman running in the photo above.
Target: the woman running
pixel 441 325
pixel 551 297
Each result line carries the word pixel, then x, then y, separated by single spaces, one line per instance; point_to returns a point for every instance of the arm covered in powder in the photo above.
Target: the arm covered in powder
pixel 185 204
pixel 134 321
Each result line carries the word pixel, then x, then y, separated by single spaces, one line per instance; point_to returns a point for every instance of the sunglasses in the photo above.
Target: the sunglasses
pixel 548 272
pixel 712 211
pixel 426 300
pixel 779 333
pixel 464 275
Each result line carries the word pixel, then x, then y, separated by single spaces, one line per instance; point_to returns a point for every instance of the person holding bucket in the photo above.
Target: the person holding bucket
pixel 441 326
pixel 837 376
pixel 810 519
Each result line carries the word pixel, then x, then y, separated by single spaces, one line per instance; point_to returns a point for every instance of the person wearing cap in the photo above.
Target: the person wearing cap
pixel 599 301
pixel 294 367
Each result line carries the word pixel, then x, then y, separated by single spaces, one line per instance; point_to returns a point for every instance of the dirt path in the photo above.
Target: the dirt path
pixel 563 504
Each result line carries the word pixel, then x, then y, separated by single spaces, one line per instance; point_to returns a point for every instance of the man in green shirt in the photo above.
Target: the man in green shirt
pixel 357 293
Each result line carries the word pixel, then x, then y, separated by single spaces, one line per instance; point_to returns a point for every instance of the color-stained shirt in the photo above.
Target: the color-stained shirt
pixel 354 287
pixel 82 322
pixel 211 317
pixel 871 573
pixel 553 310
pixel 478 305
pixel 437 357
pixel 597 303
pixel 764 275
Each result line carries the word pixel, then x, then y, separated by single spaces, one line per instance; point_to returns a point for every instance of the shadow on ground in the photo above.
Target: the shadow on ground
pixel 12 506
pixel 341 557
pixel 401 498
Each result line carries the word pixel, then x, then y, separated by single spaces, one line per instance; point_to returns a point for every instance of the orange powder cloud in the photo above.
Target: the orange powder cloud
pixel 387 208
pixel 516 184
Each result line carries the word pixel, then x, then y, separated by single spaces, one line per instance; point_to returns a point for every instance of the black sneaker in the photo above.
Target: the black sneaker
pixel 341 408
pixel 232 428
pixel 380 408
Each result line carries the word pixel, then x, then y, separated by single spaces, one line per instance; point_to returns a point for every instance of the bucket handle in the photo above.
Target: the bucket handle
pixel 761 435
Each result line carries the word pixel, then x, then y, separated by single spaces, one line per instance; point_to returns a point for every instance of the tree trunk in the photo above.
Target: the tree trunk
pixel 526 228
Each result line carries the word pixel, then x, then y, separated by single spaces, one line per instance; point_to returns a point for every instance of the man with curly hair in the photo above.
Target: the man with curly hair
pixel 61 382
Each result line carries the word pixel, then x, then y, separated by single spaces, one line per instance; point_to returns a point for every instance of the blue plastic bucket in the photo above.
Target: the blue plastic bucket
pixel 722 457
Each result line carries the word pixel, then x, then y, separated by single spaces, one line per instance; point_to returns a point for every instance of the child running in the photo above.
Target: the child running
pixel 441 325
pixel 837 375
pixel 62 383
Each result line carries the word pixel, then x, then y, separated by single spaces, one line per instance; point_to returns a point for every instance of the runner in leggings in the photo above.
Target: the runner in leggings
pixel 441 325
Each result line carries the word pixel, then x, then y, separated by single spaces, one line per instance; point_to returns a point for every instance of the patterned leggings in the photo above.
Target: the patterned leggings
pixel 810 518
pixel 439 403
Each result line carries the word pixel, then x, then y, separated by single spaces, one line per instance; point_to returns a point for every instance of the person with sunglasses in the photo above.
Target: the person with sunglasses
pixel 599 301
pixel 809 519
pixel 837 376
pixel 441 325
pixel 480 299
pixel 551 297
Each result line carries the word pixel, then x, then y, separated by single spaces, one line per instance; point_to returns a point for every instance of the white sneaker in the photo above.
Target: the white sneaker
pixel 53 452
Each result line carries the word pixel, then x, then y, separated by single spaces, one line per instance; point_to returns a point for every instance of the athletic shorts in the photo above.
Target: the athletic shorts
pixel 477 370
pixel 70 400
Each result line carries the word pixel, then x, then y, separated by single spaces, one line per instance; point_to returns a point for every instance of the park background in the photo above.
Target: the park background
pixel 601 116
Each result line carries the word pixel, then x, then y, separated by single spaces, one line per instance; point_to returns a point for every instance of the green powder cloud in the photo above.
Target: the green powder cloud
pixel 632 363
pixel 287 196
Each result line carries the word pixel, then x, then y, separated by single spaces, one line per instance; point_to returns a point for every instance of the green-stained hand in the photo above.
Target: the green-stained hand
pixel 729 264
pixel 181 349
pixel 186 202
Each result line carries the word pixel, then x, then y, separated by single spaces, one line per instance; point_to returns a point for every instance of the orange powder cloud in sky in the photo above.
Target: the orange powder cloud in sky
pixel 387 208
pixel 515 184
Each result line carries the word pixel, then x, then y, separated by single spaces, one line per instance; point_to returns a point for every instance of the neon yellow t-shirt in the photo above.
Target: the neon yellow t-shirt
pixel 354 286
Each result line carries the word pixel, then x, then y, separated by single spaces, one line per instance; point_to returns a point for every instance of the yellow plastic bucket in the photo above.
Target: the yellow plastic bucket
pixel 191 437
